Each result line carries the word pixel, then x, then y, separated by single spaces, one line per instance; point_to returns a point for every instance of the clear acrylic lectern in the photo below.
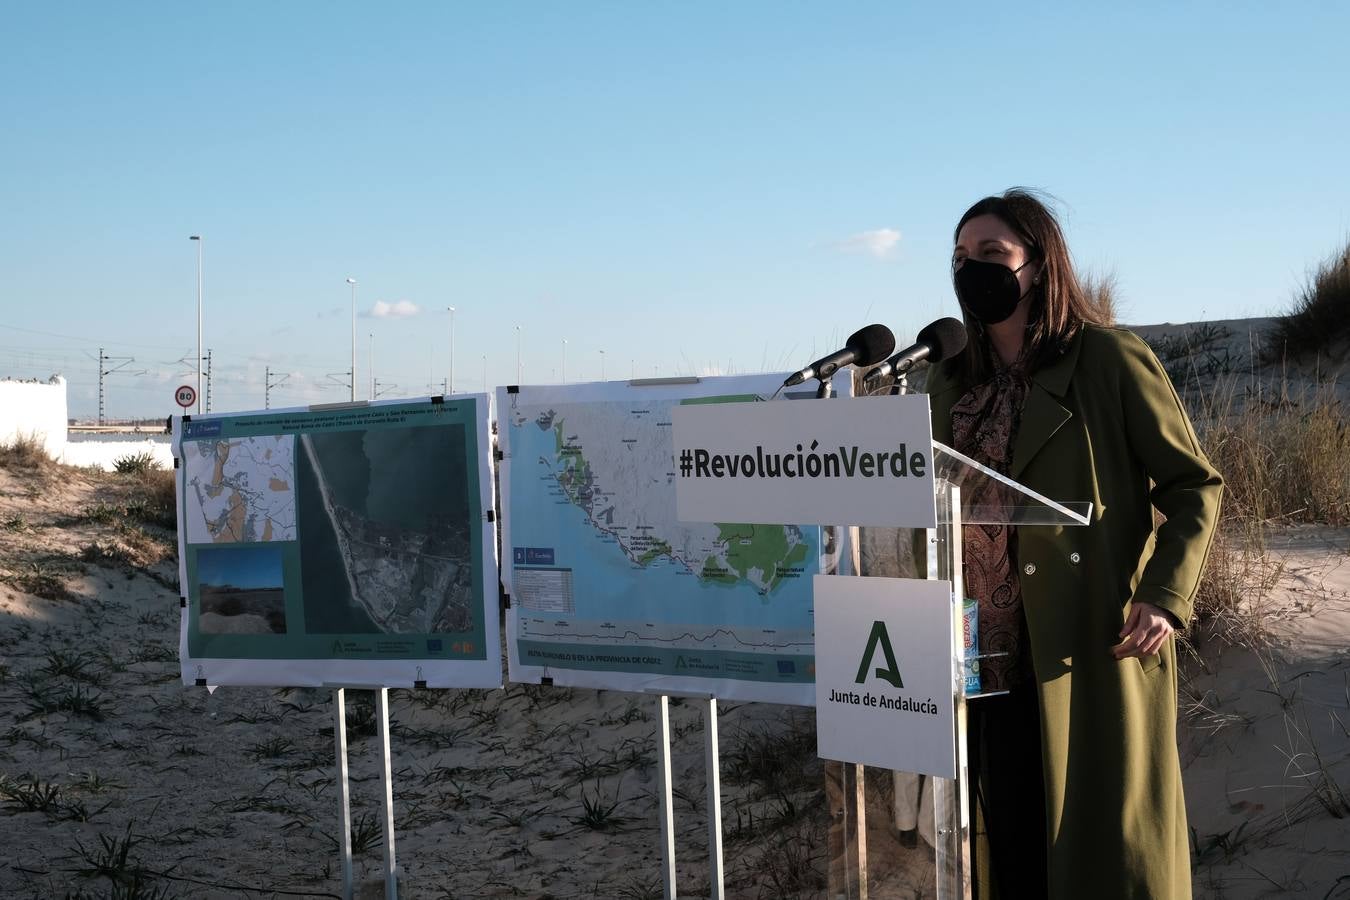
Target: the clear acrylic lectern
pixel 921 845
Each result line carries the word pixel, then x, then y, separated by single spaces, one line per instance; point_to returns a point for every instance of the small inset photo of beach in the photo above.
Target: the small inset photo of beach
pixel 241 589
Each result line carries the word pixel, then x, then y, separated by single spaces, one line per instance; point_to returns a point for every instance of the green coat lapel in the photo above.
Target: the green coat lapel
pixel 1043 414
pixel 944 388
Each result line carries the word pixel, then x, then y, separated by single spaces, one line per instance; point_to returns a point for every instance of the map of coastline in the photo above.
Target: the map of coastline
pixel 387 547
pixel 607 463
pixel 609 589
pixel 240 490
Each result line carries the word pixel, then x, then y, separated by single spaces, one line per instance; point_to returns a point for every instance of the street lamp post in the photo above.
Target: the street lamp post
pixel 450 385
pixel 563 370
pixel 518 366
pixel 602 365
pixel 352 282
pixel 198 239
pixel 370 361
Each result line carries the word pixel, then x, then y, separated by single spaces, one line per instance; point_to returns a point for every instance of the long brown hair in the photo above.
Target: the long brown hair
pixel 1059 305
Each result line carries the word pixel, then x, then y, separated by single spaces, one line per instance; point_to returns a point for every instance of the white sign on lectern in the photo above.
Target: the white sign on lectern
pixel 884 691
pixel 851 461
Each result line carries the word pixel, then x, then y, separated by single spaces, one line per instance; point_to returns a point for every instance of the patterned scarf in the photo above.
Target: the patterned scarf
pixel 984 426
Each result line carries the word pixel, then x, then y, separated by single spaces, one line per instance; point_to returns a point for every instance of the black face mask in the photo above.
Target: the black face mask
pixel 989 291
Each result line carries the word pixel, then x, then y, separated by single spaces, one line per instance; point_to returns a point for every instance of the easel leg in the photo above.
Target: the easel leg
pixel 386 783
pixel 344 790
pixel 667 805
pixel 712 762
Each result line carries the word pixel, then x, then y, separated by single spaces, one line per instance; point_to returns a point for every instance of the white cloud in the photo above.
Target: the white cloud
pixel 880 243
pixel 399 309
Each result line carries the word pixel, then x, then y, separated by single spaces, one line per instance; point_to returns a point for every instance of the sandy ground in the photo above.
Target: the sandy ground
pixel 1266 742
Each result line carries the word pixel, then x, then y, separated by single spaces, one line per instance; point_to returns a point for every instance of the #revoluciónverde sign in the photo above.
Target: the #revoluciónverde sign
pixel 847 461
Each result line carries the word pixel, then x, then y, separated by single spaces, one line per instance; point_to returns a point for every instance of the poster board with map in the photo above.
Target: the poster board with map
pixel 608 589
pixel 347 545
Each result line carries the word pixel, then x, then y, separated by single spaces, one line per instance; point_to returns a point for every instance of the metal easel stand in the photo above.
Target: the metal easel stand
pixel 667 810
pixel 344 790
pixel 716 873
pixel 387 792
pixel 390 867
pixel 951 803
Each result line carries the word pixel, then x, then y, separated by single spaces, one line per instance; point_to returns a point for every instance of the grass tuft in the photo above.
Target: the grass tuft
pixel 598 811
pixel 152 500
pixel 1198 353
pixel 1320 316
pixel 135 463
pixel 1102 293
pixel 27 453
pixel 774 761
pixel 1284 457
pixel 42 578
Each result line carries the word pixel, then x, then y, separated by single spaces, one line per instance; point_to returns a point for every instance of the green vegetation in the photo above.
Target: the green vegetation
pixel 598 811
pixel 135 463
pixel 152 499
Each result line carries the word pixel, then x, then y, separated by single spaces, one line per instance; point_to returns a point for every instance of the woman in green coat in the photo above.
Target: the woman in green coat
pixel 1049 395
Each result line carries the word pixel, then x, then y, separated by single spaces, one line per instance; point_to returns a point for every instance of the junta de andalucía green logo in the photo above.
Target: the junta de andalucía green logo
pixel 879 638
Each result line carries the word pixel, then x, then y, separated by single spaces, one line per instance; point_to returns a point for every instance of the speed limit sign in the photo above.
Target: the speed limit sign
pixel 186 395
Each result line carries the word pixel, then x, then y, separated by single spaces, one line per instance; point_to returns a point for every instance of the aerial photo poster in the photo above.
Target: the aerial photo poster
pixel 608 589
pixel 347 545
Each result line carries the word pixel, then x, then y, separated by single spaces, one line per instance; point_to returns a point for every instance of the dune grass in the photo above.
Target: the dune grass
pixel 25 453
pixel 1319 318
pixel 1285 459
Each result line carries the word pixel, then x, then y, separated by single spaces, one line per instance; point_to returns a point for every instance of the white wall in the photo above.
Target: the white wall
pixel 36 408
pixel 103 450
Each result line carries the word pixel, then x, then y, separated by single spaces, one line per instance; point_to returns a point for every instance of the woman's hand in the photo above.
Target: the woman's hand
pixel 1146 628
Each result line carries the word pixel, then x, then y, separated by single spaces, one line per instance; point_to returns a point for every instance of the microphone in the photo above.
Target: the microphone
pixel 939 340
pixel 865 347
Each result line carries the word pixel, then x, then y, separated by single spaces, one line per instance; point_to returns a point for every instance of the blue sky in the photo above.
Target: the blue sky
pixel 690 188
pixel 241 567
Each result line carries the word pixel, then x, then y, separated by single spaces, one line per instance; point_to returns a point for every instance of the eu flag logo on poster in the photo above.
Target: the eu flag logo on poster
pixel 786 667
pixel 434 645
